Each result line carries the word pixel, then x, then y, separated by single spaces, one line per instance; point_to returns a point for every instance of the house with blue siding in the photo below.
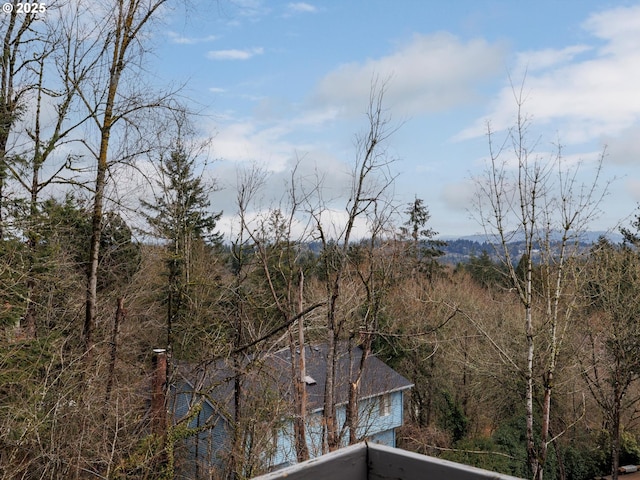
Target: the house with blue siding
pixel 203 396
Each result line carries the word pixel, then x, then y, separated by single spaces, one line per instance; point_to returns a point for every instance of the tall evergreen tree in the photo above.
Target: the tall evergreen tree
pixel 422 246
pixel 180 215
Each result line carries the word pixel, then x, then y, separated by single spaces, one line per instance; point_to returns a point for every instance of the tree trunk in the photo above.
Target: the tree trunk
pixel 10 99
pixel 562 471
pixel 127 27
pixel 298 376
pixel 303 367
pixel 98 200
pixel 236 453
pixel 615 430
pixel 299 384
pixel 354 389
pixel 352 412
pixel 532 453
pixel 28 321
pixel 430 393
pixel 235 463
pixel 330 434
pixel 120 314
pixel 94 251
pixel 544 429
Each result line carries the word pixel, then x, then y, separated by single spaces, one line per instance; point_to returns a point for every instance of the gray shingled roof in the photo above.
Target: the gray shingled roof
pixel 274 371
pixel 378 378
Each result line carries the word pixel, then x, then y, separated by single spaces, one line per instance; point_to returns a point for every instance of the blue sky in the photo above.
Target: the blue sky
pixel 279 80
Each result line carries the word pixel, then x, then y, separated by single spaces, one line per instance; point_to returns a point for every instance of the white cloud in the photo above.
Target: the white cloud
pixel 532 61
pixel 247 142
pixel 429 74
pixel 325 179
pixel 249 8
pixel 182 40
pixel 619 27
pixel 633 187
pixel 234 54
pixel 459 196
pixel 589 96
pixel 318 117
pixel 624 149
pixel 301 7
pixel 303 226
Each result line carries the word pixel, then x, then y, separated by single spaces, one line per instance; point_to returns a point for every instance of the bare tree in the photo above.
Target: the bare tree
pixel 44 137
pixel 370 183
pixel 114 51
pixel 25 47
pixel 248 186
pixel 280 251
pixel 373 268
pixel 17 79
pixel 540 202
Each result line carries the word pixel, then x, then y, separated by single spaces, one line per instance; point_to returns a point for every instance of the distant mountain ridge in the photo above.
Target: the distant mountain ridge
pixel 585 237
pixel 462 249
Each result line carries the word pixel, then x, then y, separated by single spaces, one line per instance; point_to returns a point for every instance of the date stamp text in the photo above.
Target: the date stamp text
pixel 24 7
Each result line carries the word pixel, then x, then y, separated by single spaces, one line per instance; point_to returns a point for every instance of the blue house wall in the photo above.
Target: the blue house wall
pixel 208 449
pixel 373 426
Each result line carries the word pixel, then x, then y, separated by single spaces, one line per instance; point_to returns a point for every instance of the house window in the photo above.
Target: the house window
pixel 385 405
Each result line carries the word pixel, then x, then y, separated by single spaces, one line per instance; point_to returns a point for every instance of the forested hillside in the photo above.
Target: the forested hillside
pixel 523 355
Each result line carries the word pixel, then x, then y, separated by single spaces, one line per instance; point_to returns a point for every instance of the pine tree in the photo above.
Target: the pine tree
pixel 180 215
pixel 422 246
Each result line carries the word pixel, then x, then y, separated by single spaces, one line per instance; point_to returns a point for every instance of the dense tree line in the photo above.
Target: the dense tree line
pixel 523 357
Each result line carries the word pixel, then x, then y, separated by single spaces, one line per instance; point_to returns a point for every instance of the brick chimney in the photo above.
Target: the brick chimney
pixel 158 393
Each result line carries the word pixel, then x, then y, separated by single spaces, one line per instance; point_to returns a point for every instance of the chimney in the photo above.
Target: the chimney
pixel 158 393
